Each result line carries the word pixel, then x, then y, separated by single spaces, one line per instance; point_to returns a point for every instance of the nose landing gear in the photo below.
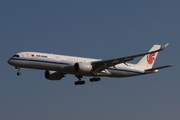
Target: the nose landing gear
pixel 18 71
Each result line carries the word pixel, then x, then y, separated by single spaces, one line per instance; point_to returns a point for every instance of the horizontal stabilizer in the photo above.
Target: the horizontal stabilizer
pixel 157 68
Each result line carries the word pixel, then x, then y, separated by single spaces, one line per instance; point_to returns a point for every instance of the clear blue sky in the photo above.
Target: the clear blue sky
pixel 97 29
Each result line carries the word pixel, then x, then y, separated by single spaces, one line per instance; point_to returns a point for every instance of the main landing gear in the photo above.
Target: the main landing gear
pixel 79 82
pixel 95 79
pixel 18 71
pixel 82 82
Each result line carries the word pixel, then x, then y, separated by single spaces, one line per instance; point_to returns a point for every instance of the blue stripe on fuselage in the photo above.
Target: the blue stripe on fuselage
pixel 124 70
pixel 70 63
pixel 38 60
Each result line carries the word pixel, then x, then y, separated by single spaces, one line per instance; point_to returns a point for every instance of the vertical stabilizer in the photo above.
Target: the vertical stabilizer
pixel 148 60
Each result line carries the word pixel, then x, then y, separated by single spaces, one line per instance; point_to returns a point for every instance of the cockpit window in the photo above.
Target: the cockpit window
pixel 15 55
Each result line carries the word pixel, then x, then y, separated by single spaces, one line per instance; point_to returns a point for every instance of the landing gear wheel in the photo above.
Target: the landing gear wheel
pixel 91 80
pixel 76 83
pixel 18 73
pixel 82 82
pixel 95 79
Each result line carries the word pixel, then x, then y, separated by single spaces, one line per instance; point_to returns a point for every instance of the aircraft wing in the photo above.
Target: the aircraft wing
pixel 157 68
pixel 99 66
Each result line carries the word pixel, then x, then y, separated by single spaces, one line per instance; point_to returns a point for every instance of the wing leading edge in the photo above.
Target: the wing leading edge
pixel 99 66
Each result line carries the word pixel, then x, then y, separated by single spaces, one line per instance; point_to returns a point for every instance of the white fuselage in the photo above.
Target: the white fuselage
pixel 64 64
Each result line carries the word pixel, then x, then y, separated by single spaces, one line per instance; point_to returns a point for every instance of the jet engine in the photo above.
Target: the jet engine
pixel 83 67
pixel 53 75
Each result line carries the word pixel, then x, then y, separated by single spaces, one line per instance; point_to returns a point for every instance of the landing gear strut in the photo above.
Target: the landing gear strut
pixel 79 82
pixel 95 79
pixel 18 71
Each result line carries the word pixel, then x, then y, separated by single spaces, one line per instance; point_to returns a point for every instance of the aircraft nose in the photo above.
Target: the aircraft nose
pixel 9 61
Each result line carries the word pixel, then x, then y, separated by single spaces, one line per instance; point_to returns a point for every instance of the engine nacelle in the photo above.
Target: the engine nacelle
pixel 83 67
pixel 53 75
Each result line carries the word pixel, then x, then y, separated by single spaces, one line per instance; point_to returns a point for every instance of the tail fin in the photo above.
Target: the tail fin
pixel 148 60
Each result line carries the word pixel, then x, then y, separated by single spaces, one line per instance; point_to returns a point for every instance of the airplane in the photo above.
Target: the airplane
pixel 57 66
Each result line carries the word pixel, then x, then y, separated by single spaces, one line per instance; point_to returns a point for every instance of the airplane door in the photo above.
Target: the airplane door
pixel 132 67
pixel 57 59
pixel 28 56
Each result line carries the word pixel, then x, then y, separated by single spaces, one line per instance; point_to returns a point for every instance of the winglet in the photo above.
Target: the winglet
pixel 164 46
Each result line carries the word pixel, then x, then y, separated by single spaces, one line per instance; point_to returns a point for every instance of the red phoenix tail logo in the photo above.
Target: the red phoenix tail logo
pixel 150 58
